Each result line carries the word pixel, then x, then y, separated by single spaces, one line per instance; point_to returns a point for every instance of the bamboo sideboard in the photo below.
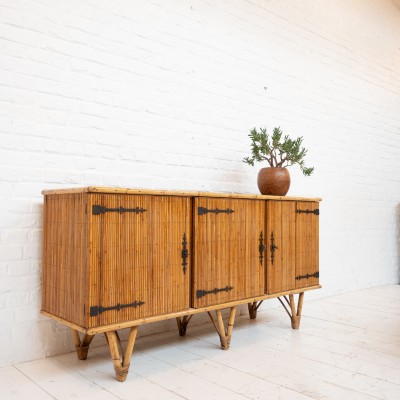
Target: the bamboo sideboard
pixel 118 258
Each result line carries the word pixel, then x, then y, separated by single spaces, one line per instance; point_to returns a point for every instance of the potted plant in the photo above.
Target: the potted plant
pixel 279 154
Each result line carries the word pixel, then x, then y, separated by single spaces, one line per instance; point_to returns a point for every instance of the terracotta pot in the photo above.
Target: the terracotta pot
pixel 273 181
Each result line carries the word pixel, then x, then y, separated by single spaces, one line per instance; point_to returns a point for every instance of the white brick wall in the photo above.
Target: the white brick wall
pixel 162 94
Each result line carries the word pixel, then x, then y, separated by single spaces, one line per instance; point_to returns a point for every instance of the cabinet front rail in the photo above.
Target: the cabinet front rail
pixel 164 317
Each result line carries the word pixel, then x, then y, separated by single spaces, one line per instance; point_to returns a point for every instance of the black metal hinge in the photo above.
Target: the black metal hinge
pixel 261 247
pixel 316 211
pixel 314 275
pixel 202 293
pixel 202 211
pixel 97 210
pixel 97 310
pixel 185 253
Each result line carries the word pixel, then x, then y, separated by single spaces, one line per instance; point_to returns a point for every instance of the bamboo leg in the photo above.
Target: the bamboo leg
pixel 296 317
pixel 81 345
pixel 294 314
pixel 183 323
pixel 224 335
pixel 120 349
pixel 121 360
pixel 129 346
pixel 231 321
pixel 221 330
pixel 253 307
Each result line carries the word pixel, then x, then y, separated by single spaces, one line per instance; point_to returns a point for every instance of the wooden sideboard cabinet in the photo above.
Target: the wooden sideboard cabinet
pixel 117 258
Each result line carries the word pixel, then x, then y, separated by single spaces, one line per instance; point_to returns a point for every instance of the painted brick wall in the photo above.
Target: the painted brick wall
pixel 162 94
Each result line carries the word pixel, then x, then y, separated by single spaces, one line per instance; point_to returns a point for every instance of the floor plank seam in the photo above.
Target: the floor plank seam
pixel 244 371
pixel 360 347
pixel 336 322
pixel 367 309
pixel 35 383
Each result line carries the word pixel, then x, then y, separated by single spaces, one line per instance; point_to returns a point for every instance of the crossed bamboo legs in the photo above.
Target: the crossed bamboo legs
pixel 253 307
pixel 121 359
pixel 294 314
pixel 224 334
pixel 81 345
pixel 290 307
pixel 182 323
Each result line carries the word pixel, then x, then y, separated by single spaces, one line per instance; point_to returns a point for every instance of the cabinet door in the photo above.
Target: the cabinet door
pixel 138 256
pixel 292 251
pixel 281 246
pixel 228 250
pixel 307 244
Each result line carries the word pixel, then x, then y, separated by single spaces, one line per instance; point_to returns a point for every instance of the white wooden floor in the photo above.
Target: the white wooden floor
pixel 348 347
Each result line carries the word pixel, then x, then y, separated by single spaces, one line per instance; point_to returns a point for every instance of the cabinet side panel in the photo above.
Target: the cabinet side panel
pixel 64 271
pixel 307 244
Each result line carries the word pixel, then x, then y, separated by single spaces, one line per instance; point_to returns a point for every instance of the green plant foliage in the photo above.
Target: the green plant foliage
pixel 277 152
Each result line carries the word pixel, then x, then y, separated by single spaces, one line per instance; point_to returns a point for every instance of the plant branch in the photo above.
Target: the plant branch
pixel 269 148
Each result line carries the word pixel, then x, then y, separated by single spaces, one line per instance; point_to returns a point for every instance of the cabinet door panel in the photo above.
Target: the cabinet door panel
pixel 281 250
pixel 307 232
pixel 227 264
pixel 136 257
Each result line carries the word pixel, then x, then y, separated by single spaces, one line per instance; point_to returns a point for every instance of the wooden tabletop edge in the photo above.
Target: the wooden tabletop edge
pixel 167 192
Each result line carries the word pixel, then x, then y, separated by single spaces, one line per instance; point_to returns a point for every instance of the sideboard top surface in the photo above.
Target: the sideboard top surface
pixel 160 192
